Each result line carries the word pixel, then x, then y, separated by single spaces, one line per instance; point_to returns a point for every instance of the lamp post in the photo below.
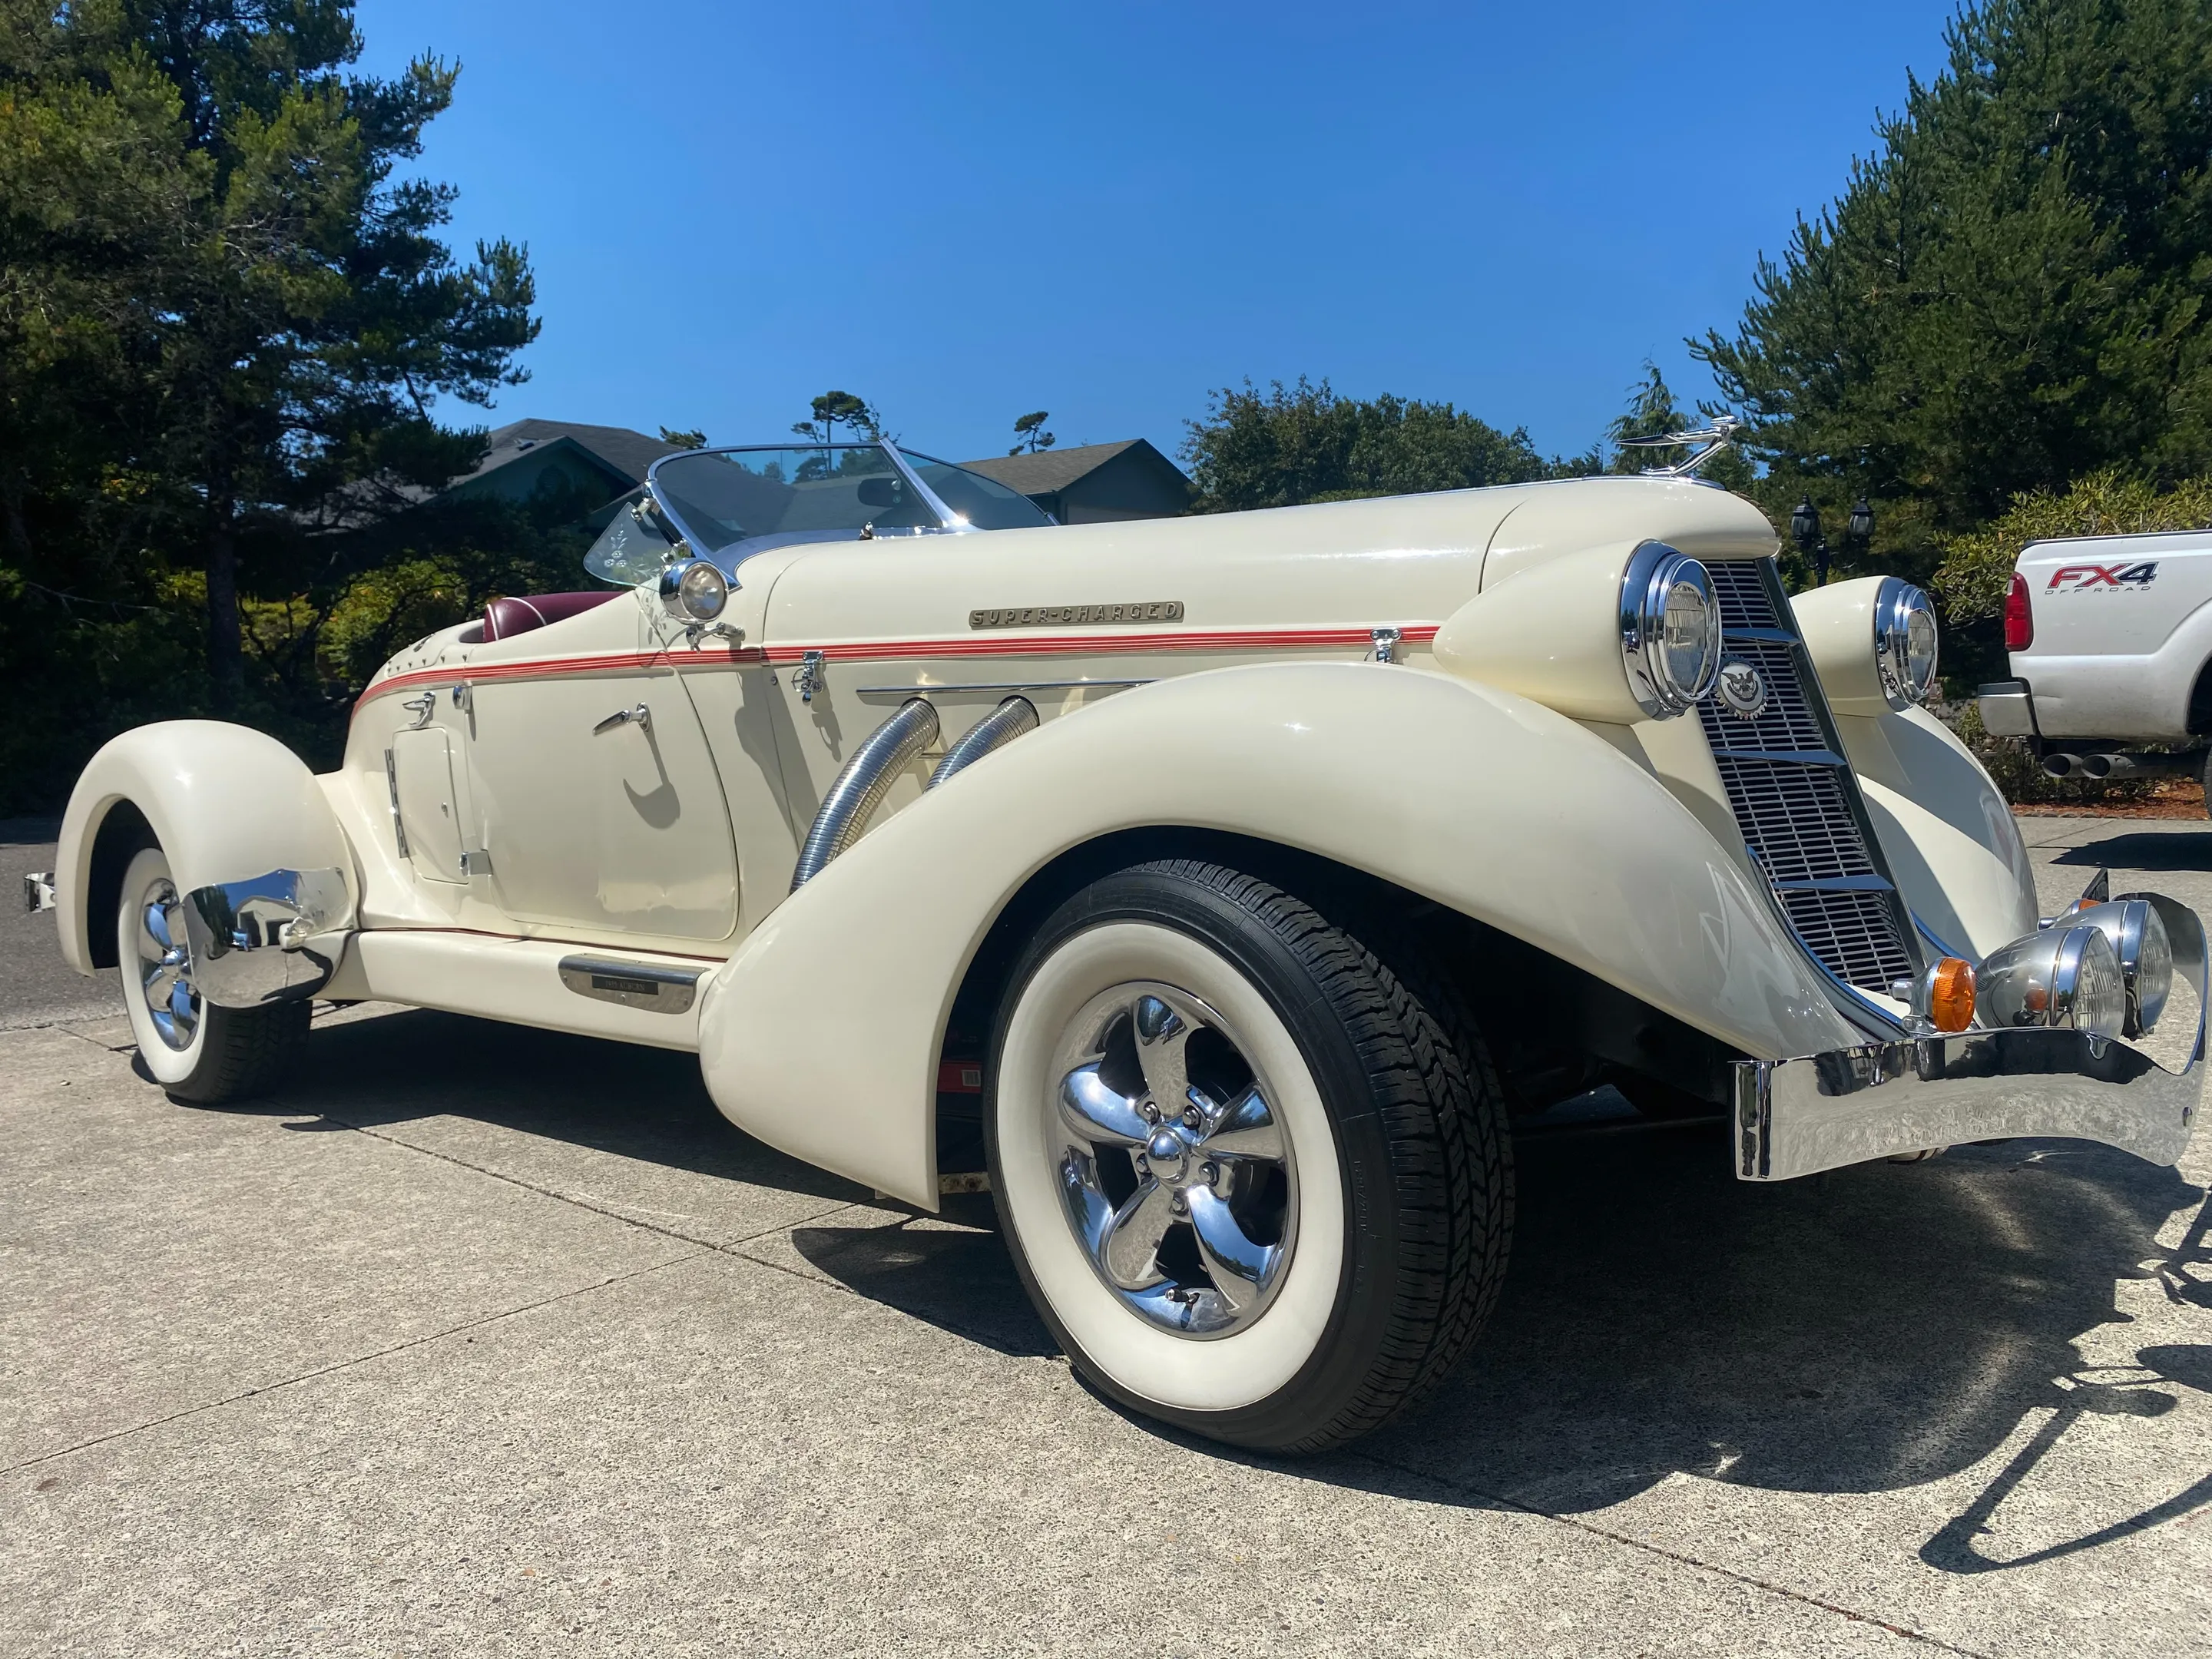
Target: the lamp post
pixel 1805 531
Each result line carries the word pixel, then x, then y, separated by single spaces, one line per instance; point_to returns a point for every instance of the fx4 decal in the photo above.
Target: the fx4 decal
pixel 2080 577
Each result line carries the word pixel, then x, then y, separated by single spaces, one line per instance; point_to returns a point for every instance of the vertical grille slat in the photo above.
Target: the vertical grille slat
pixel 1797 818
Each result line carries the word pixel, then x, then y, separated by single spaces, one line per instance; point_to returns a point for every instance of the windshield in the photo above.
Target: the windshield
pixel 985 503
pixel 730 503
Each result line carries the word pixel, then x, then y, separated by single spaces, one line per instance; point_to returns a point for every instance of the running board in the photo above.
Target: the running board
pixel 650 998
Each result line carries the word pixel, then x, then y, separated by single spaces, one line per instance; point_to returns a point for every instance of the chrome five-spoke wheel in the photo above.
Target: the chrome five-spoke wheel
pixel 1178 1174
pixel 1254 1183
pixel 165 966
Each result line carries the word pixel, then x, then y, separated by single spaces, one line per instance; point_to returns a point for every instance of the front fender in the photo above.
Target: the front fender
pixel 822 1036
pixel 231 808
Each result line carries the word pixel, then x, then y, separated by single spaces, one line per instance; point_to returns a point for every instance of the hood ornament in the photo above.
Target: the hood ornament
pixel 1719 435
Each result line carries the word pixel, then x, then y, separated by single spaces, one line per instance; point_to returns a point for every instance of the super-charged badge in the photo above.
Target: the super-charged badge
pixel 1740 690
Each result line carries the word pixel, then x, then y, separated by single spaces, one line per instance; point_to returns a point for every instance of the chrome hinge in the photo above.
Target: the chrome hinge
pixel 809 676
pixel 37 891
pixel 1386 642
pixel 398 823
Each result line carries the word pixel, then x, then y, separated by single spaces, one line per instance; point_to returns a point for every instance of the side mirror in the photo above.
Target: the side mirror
pixel 880 492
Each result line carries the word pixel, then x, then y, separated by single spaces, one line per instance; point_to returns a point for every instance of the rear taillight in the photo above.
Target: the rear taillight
pixel 2020 620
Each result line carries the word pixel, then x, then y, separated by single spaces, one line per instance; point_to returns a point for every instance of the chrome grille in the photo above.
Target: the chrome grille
pixel 1793 794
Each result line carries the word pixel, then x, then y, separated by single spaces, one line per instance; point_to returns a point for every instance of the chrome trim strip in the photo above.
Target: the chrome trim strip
pixel 646 985
pixel 273 939
pixel 1799 1117
pixel 37 891
pixel 934 687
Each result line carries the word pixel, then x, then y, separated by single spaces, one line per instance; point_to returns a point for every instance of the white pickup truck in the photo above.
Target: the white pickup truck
pixel 2109 637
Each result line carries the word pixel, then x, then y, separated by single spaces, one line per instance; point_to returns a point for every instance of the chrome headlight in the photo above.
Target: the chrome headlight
pixel 2138 939
pixel 1905 642
pixel 2068 977
pixel 693 591
pixel 1670 630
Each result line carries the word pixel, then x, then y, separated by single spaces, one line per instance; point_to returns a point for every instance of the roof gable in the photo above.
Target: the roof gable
pixel 1049 470
pixel 624 454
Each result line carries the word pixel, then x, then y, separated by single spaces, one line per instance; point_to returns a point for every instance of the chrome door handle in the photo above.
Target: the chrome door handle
pixel 421 707
pixel 639 714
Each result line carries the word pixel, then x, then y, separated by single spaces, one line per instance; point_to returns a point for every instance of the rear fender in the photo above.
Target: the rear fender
pixel 822 1034
pixel 231 808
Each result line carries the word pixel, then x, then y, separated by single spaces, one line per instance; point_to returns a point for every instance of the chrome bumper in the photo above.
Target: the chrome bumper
pixel 2007 709
pixel 273 939
pixel 1797 1118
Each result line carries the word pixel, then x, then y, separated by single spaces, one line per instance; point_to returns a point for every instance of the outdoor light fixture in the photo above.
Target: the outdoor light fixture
pixel 1805 531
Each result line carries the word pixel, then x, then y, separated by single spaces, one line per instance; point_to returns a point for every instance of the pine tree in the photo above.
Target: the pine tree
pixel 2011 293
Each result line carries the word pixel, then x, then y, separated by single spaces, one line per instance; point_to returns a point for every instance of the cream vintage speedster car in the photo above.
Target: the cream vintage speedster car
pixel 1214 891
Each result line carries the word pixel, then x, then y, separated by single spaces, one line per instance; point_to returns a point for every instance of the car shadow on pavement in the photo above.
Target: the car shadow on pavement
pixel 635 1102
pixel 1870 1329
pixel 2179 849
pixel 959 1279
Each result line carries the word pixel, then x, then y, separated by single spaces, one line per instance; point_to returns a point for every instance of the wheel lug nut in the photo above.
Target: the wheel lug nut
pixel 1211 1173
pixel 1191 1117
pixel 1177 1202
pixel 1151 1112
pixel 1144 1165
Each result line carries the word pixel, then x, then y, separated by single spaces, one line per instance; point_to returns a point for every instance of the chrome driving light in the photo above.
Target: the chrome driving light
pixel 2138 939
pixel 2069 978
pixel 1905 642
pixel 1670 630
pixel 693 591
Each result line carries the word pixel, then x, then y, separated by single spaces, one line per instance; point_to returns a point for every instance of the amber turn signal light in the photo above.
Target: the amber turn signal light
pixel 1951 994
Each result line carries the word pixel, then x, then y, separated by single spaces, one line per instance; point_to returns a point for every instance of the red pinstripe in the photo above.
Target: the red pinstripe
pixel 1045 644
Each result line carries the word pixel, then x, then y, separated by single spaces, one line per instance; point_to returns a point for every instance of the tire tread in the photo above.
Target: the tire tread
pixel 1439 1102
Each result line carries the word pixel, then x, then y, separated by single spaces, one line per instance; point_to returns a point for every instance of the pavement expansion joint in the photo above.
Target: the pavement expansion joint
pixel 554 1193
pixel 336 1366
pixel 1768 1586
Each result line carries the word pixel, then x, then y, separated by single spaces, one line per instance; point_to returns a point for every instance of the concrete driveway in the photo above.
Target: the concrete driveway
pixel 482 1341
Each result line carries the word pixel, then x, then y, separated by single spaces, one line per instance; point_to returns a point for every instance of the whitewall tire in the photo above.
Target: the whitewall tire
pixel 195 1050
pixel 1254 1184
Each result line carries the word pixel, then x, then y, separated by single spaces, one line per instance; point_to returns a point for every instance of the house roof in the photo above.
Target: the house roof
pixel 616 448
pixel 1051 469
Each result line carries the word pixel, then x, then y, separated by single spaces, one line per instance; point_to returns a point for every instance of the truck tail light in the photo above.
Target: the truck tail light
pixel 2020 618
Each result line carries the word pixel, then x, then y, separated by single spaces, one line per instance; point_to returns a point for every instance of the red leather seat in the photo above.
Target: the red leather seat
pixel 504 618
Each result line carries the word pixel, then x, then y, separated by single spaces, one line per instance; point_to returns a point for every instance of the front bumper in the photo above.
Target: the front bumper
pixel 1799 1117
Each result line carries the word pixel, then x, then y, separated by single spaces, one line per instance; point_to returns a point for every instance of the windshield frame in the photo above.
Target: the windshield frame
pixel 732 554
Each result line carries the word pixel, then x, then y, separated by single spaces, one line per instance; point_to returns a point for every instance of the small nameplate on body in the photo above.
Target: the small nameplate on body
pixel 1077 615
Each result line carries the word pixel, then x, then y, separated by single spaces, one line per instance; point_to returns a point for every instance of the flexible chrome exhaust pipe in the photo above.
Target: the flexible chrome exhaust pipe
pixel 1011 718
pixel 860 788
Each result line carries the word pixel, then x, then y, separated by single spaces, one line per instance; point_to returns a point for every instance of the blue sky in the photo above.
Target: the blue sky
pixel 964 212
